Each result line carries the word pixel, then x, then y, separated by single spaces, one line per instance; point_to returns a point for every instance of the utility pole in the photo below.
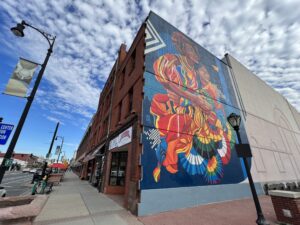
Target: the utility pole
pixel 50 148
pixel 60 149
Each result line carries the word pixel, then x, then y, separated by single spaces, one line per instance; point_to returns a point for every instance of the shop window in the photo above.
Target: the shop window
pixel 118 169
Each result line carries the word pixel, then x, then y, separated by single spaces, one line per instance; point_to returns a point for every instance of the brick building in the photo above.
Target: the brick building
pixel 23 159
pixel 83 149
pixel 160 136
pixel 117 117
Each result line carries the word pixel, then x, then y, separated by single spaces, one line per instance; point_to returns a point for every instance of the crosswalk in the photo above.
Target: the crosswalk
pixel 17 183
pixel 15 178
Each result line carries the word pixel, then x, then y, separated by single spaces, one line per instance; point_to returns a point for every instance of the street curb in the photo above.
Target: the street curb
pixel 24 211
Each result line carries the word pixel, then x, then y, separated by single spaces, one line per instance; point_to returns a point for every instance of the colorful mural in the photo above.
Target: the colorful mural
pixel 187 140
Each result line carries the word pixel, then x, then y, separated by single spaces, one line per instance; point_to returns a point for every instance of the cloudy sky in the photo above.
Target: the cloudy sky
pixel 263 35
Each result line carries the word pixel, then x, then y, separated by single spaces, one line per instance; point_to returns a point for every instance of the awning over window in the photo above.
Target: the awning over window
pixel 98 150
pixel 94 153
pixel 88 157
pixel 81 157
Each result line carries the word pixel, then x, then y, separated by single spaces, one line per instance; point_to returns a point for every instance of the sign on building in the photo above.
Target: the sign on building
pixel 5 130
pixel 122 139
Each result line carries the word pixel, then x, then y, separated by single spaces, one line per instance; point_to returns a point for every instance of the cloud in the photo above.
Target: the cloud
pixel 263 35
pixel 53 119
pixel 71 144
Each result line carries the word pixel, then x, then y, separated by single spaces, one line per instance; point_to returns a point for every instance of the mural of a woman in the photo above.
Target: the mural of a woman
pixel 189 116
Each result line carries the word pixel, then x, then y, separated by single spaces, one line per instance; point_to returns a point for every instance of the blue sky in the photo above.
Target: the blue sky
pixel 263 35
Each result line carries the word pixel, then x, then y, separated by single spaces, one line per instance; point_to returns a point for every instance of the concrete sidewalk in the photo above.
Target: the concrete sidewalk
pixel 77 202
pixel 239 212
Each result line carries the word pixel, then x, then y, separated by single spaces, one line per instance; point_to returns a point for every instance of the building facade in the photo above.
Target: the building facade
pixel 23 159
pixel 160 136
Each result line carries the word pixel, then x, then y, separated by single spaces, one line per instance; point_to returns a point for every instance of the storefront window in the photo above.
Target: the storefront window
pixel 118 169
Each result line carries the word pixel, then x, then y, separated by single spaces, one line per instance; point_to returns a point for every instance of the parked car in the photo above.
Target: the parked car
pixel 2 192
pixel 26 170
pixel 33 170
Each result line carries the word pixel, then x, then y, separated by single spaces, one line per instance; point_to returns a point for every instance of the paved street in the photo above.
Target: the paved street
pixel 17 183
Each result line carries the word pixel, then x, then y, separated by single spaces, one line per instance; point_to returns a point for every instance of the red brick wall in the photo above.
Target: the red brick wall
pixel 128 78
pixel 84 145
pixel 125 76
pixel 133 79
pixel 291 204
pixel 23 157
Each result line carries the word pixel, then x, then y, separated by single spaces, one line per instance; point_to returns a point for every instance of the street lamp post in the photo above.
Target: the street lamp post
pixel 49 151
pixel 62 143
pixel 235 120
pixel 19 31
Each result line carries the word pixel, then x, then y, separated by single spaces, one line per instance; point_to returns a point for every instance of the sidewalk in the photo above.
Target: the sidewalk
pixel 239 212
pixel 76 202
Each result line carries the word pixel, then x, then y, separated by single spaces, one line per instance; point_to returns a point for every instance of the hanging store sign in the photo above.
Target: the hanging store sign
pixel 19 82
pixel 122 139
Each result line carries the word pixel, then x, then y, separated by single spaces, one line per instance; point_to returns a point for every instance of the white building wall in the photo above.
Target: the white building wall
pixel 272 126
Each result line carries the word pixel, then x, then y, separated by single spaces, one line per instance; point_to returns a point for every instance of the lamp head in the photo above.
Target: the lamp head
pixel 18 30
pixel 234 120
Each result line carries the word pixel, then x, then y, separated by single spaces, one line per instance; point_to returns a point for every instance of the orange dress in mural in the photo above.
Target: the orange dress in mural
pixel 191 132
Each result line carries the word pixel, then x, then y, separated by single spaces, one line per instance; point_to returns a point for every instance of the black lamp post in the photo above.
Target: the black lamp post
pixel 62 143
pixel 19 31
pixel 235 121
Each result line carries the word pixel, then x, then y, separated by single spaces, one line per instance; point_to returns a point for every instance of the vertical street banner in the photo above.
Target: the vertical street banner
pixel 57 151
pixel 19 82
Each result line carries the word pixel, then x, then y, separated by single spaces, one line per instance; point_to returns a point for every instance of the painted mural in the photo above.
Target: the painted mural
pixel 188 95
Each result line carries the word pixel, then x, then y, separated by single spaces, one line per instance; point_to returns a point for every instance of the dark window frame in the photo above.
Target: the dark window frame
pixel 115 170
pixel 122 78
pixel 120 105
pixel 130 93
pixel 132 61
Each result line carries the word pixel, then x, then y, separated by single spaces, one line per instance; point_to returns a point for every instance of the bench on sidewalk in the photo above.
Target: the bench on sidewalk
pixel 55 178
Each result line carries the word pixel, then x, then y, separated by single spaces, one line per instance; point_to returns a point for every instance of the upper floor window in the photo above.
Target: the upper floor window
pixel 131 63
pixel 122 75
pixel 119 112
pixel 130 93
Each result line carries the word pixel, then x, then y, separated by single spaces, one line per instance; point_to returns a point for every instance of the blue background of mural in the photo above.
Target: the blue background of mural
pixel 234 171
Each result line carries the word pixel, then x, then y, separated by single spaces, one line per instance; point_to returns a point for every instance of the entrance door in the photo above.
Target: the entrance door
pixel 118 169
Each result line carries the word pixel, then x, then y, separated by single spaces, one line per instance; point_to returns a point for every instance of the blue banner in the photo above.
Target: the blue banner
pixel 5 130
